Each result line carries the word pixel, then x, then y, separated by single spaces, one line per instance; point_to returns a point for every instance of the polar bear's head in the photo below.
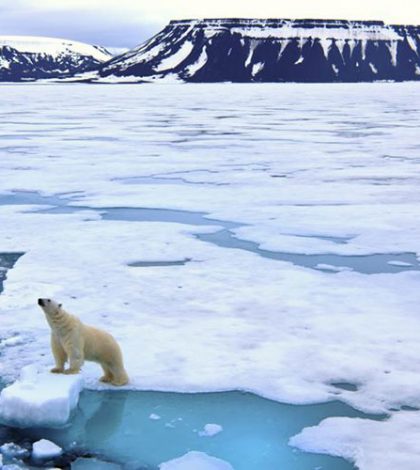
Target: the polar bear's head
pixel 50 307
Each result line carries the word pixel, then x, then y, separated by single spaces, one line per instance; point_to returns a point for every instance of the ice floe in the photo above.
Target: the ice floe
pixel 45 449
pixel 195 460
pixel 369 444
pixel 39 398
pixel 210 430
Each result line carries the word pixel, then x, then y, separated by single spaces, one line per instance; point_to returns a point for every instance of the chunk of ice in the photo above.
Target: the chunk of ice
pixel 10 449
pixel 45 449
pixel 211 430
pixel 399 263
pixel 12 341
pixel 194 461
pixel 40 398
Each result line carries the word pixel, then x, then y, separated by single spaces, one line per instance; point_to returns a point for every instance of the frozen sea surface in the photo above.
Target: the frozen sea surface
pixel 319 186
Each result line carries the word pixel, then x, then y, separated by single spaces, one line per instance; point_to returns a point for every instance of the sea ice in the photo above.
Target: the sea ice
pixel 399 263
pixel 12 341
pixel 10 449
pixel 371 445
pixel 297 168
pixel 195 460
pixel 39 398
pixel 45 449
pixel 210 430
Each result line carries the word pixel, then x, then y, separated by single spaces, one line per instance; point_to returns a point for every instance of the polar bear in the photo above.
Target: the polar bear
pixel 75 342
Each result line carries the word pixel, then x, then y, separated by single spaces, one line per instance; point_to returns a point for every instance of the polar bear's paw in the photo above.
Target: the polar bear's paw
pixel 106 379
pixel 71 371
pixel 57 370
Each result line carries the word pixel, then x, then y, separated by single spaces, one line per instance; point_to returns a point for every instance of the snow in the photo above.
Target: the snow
pixel 256 68
pixel 53 46
pixel 399 263
pixel 285 28
pixel 329 267
pixel 371 445
pixel 198 64
pixel 39 398
pixel 12 341
pixel 117 50
pixel 326 45
pixel 340 43
pixel 195 460
pixel 4 63
pixel 393 49
pixel 10 449
pixel 45 449
pixel 211 430
pixel 154 417
pixel 175 59
pixel 137 56
pixel 344 181
pixel 288 31
pixel 412 42
pixel 252 46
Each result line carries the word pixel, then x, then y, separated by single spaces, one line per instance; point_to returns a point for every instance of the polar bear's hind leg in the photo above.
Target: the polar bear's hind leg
pixel 107 377
pixel 119 376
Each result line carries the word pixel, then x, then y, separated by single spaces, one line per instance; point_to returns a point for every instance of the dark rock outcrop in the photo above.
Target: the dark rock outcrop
pixel 274 50
pixel 31 58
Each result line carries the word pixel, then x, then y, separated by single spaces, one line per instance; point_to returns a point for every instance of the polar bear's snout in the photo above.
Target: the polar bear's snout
pixel 49 306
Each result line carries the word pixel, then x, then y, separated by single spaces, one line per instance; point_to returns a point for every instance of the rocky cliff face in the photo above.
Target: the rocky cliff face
pixel 272 50
pixel 31 58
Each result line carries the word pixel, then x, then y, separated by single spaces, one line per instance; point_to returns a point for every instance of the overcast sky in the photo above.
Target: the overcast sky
pixel 126 23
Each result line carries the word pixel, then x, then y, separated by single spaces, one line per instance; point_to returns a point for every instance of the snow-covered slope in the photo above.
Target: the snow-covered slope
pixel 243 50
pixel 29 58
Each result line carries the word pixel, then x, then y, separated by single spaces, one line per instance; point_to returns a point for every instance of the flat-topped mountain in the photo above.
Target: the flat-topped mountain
pixel 31 58
pixel 274 50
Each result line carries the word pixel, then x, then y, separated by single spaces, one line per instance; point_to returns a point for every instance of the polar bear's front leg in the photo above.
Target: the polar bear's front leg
pixel 59 354
pixel 76 357
pixel 76 363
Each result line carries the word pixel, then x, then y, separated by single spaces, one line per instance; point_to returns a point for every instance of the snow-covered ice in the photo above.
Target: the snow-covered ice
pixel 296 167
pixel 195 460
pixel 10 449
pixel 369 444
pixel 399 263
pixel 45 449
pixel 39 398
